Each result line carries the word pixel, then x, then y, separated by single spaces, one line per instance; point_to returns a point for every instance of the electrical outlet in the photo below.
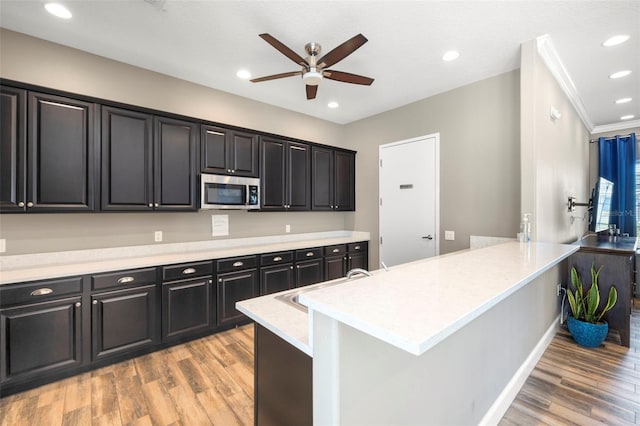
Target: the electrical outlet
pixel 450 235
pixel 558 290
pixel 3 245
pixel 157 236
pixel 287 228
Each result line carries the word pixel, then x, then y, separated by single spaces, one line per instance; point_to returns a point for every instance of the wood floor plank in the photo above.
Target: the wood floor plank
pixel 188 406
pixel 77 417
pixel 161 408
pixel 104 398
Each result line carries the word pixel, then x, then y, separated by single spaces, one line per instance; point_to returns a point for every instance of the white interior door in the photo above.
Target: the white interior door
pixel 409 200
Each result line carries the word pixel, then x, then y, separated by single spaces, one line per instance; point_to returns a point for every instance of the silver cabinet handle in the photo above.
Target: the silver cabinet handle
pixel 125 280
pixel 189 271
pixel 336 250
pixel 228 170
pixel 210 281
pixel 95 302
pixel 219 280
pixel 237 264
pixel 357 247
pixel 298 266
pixel 21 204
pixel 156 205
pixel 29 204
pixel 150 204
pixel 337 206
pixel 78 304
pixel 309 254
pixel 277 259
pixel 233 171
pixel 41 292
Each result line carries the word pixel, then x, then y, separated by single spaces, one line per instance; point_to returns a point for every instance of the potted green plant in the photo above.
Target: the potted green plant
pixel 586 324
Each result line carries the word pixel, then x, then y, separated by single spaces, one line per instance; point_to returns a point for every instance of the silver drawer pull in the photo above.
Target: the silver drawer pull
pixel 357 247
pixel 41 292
pixel 310 254
pixel 238 263
pixel 125 280
pixel 189 271
pixel 277 259
pixel 336 250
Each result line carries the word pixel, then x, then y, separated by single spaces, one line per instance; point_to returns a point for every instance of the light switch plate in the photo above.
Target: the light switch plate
pixel 157 236
pixel 449 235
pixel 287 228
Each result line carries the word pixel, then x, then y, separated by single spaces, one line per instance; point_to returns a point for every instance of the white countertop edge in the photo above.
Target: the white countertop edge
pixel 40 266
pixel 275 330
pixel 412 346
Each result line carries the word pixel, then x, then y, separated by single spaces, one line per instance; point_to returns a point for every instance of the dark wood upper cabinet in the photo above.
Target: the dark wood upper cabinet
pixel 13 149
pixel 333 181
pixel 229 152
pixel 148 162
pixel 49 155
pixel 285 175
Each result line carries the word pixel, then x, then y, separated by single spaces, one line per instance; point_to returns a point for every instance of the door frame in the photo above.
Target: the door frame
pixel 436 136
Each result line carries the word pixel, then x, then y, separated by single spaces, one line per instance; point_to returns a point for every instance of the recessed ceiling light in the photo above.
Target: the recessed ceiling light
pixel 58 10
pixel 333 104
pixel 615 40
pixel 627 117
pixel 623 100
pixel 620 74
pixel 450 55
pixel 243 74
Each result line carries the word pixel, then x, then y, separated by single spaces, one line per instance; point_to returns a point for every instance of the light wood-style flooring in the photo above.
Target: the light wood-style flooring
pixel 209 381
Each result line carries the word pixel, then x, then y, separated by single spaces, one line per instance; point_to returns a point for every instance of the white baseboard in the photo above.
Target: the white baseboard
pixel 509 393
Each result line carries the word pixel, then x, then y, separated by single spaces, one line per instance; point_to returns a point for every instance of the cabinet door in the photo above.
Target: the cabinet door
pixel 273 174
pixel 127 160
pixel 244 151
pixel 322 184
pixel 61 157
pixel 334 267
pixel 13 149
pixel 298 176
pixel 175 160
pixel 276 278
pixel 40 338
pixel 232 288
pixel 186 307
pixel 344 198
pixel 309 272
pixel 357 260
pixel 213 149
pixel 123 321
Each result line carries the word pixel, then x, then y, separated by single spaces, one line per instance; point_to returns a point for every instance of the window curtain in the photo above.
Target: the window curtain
pixel 618 164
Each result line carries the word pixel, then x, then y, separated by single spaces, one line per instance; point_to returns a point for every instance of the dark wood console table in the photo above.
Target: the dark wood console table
pixel 616 255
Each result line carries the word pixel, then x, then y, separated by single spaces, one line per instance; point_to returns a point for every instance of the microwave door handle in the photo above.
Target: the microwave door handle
pixel 246 195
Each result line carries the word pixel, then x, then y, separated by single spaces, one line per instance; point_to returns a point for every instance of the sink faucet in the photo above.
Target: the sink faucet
pixel 356 271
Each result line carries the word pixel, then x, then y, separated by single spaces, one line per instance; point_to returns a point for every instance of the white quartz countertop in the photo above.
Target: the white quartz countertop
pixel 416 305
pixel 31 267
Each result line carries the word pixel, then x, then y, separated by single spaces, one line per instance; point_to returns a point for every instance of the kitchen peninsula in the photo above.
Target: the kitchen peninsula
pixel 446 340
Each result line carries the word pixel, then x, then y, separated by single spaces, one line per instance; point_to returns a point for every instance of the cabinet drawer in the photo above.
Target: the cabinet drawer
pixel 12 294
pixel 187 270
pixel 123 278
pixel 276 258
pixel 336 250
pixel 356 247
pixel 308 254
pixel 236 263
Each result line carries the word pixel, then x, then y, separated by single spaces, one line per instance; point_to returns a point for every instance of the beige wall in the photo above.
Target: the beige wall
pixel 555 154
pixel 31 60
pixel 479 159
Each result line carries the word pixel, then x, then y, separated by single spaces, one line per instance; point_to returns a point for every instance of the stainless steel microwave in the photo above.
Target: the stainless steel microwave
pixel 229 192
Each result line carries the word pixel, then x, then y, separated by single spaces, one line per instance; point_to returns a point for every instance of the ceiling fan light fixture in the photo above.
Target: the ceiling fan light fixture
pixel 56 9
pixel 312 78
pixel 333 104
pixel 450 55
pixel 243 74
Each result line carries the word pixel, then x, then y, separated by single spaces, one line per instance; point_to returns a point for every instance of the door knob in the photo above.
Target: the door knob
pixel 428 237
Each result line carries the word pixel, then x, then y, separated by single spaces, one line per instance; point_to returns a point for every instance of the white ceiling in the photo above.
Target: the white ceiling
pixel 206 42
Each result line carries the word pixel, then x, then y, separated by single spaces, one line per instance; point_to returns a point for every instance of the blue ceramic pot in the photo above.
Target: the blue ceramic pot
pixel 587 334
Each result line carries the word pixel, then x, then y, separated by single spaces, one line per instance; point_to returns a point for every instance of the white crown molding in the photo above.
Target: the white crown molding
pixel 550 56
pixel 615 127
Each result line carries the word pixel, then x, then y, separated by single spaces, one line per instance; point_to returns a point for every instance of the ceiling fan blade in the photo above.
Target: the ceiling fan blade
pixel 346 77
pixel 311 91
pixel 280 47
pixel 342 51
pixel 275 76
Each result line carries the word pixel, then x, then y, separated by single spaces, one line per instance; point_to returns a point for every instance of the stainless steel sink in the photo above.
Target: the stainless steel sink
pixel 291 297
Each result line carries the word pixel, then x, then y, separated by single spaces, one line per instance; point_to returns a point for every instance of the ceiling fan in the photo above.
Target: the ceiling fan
pixel 314 69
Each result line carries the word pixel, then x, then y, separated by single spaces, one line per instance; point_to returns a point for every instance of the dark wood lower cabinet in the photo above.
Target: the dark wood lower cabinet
pixel 276 278
pixel 309 272
pixel 186 307
pixel 123 321
pixel 334 267
pixel 233 287
pixel 283 382
pixel 40 339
